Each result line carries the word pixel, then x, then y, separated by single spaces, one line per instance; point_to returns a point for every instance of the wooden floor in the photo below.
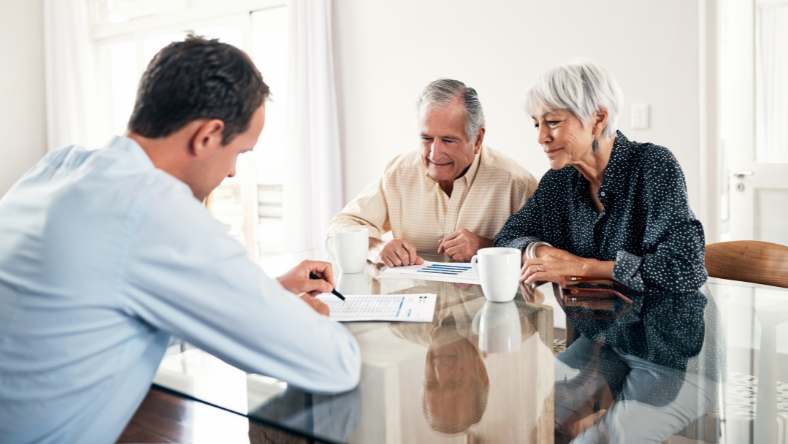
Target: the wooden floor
pixel 164 418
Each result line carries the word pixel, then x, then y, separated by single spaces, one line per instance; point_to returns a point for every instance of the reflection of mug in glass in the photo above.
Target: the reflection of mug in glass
pixel 499 272
pixel 350 248
pixel 498 327
pixel 353 283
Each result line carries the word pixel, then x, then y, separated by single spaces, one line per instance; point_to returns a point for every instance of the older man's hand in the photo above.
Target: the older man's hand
pixel 462 245
pixel 394 253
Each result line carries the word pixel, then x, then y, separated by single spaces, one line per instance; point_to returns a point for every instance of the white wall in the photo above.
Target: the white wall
pixel 22 107
pixel 386 51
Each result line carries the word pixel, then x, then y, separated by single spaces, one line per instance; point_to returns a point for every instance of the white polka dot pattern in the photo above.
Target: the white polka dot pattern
pixel 646 226
pixel 407 202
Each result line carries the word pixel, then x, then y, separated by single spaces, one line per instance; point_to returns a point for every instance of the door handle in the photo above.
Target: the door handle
pixel 742 174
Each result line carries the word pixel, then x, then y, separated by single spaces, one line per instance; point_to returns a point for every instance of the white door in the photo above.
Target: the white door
pixel 754 118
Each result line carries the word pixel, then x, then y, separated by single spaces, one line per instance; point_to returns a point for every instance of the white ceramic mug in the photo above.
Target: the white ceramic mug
pixel 350 249
pixel 498 327
pixel 499 272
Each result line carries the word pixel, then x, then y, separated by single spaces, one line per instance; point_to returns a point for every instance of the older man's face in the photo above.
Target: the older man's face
pixel 454 375
pixel 445 148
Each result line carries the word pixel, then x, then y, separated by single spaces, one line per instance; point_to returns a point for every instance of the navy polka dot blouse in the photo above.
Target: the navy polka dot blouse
pixel 646 226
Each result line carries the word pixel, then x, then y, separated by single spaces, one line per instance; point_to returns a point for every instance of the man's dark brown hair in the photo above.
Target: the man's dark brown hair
pixel 197 79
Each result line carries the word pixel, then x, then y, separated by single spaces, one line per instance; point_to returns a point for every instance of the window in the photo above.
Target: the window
pixel 771 82
pixel 128 33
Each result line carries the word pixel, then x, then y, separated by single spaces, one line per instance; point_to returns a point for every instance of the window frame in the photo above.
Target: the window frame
pixel 235 13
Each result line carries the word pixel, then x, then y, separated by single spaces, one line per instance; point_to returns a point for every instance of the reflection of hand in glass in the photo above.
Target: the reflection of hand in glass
pixel 532 295
pixel 455 382
pixel 462 287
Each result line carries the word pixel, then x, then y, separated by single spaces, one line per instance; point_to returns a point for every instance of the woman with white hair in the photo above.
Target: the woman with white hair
pixel 609 207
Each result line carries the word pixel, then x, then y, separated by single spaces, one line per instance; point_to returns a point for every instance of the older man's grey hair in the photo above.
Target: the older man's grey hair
pixel 442 92
pixel 582 88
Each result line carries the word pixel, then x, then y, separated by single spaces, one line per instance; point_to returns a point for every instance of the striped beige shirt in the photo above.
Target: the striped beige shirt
pixel 407 202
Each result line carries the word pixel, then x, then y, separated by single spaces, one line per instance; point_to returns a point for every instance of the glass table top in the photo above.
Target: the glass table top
pixel 686 365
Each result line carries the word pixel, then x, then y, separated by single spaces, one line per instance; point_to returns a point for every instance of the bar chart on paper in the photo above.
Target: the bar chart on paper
pixel 392 308
pixel 435 271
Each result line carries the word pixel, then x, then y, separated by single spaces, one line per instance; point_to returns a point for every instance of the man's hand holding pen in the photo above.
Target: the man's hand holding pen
pixel 297 280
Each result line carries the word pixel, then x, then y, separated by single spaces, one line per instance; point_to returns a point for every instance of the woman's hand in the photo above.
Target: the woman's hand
pixel 551 263
pixel 532 295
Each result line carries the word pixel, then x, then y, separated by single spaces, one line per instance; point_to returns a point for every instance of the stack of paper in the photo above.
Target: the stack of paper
pixel 391 307
pixel 435 271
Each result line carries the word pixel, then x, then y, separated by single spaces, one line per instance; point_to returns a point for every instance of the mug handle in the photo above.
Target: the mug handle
pixel 328 250
pixel 475 264
pixel 475 323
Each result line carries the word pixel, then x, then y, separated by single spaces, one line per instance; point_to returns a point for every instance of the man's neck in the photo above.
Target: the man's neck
pixel 164 153
pixel 448 185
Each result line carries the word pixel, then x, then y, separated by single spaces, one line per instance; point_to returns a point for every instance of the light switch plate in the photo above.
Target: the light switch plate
pixel 640 116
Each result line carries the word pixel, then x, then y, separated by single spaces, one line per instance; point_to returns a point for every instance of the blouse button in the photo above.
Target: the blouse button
pixel 602 193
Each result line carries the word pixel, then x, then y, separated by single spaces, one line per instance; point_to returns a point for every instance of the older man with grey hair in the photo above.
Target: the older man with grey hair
pixel 449 196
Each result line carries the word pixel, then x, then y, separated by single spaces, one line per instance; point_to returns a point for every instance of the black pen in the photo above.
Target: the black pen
pixel 334 292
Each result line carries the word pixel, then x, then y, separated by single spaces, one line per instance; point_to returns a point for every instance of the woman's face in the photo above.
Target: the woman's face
pixel 563 137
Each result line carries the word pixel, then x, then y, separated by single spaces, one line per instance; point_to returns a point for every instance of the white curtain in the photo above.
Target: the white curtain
pixel 70 86
pixel 771 85
pixel 313 185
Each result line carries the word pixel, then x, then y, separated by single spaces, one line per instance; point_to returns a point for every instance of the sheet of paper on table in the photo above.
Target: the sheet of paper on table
pixel 435 271
pixel 389 307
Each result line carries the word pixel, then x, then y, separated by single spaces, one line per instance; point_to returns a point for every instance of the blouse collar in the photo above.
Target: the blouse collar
pixel 616 176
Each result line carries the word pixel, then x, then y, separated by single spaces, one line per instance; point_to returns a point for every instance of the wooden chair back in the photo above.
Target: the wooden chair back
pixel 749 261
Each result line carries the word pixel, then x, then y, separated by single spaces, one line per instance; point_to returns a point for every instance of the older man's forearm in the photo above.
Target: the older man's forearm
pixel 349 221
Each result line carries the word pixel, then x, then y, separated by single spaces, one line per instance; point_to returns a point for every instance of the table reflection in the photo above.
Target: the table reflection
pixel 638 373
pixel 353 283
pixel 498 326
pixel 486 372
pixel 334 416
pixel 463 379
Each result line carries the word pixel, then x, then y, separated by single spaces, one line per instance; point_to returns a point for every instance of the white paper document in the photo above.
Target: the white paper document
pixel 390 307
pixel 435 271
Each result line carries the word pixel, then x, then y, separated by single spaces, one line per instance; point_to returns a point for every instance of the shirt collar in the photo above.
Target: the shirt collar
pixel 616 173
pixel 128 145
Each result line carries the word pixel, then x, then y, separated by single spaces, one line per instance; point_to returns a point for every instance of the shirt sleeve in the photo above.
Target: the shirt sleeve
pixel 673 243
pixel 368 210
pixel 183 274
pixel 523 227
pixel 529 185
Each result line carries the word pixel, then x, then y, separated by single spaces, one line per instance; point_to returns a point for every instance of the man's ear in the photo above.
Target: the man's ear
pixel 477 145
pixel 207 138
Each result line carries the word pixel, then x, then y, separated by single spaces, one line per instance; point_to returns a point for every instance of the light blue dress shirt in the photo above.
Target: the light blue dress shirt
pixel 102 257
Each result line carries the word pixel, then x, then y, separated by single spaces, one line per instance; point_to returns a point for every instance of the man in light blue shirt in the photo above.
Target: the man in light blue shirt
pixel 104 254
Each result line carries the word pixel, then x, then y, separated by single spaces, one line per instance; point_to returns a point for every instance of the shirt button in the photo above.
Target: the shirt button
pixel 602 193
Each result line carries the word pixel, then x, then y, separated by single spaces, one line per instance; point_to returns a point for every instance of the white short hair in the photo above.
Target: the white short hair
pixel 582 88
pixel 441 92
